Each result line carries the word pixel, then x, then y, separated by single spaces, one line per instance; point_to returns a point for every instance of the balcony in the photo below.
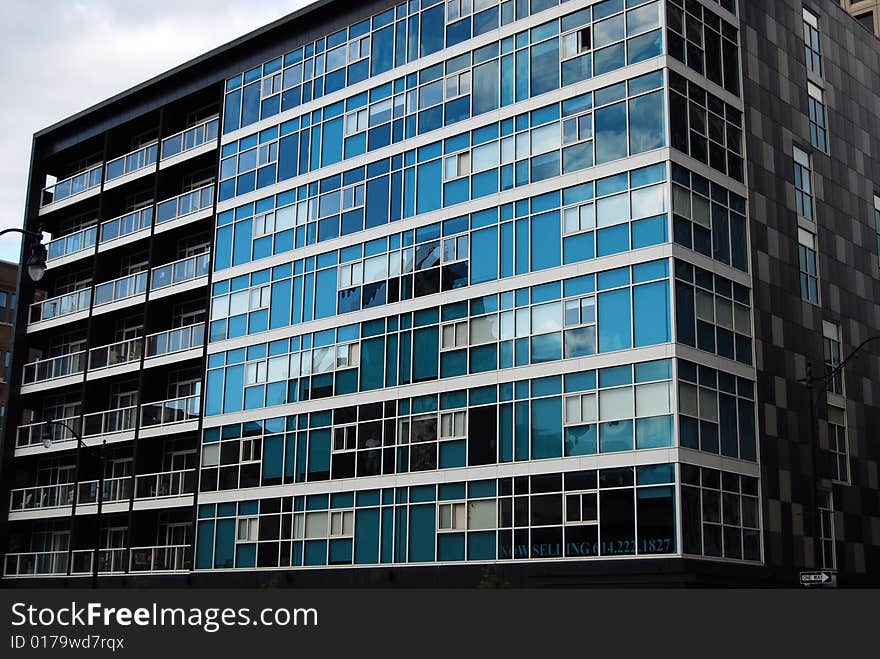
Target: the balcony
pixel 63 305
pixel 55 563
pixel 110 422
pixel 180 271
pixel 123 288
pixel 73 186
pixel 168 412
pixel 126 225
pixel 176 340
pixel 169 558
pixel 35 563
pixel 54 368
pixel 185 204
pixel 190 139
pixel 115 490
pixel 71 244
pixel 166 484
pixel 43 497
pixel 115 354
pixel 31 434
pixel 131 163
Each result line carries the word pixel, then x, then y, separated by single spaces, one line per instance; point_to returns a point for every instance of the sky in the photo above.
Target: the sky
pixel 63 56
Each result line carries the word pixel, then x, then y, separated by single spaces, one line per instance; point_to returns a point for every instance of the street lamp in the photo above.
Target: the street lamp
pixel 36 263
pixel 47 443
pixel 810 381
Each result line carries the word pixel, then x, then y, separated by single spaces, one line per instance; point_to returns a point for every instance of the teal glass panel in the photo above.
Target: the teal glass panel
pixel 481 546
pixel 224 545
pixel 205 545
pixel 450 546
pixel 654 432
pixel 616 436
pixel 581 440
pixel 546 428
pixel 422 532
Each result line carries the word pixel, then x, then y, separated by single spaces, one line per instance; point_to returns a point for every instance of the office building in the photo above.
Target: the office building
pixel 435 293
pixel 866 12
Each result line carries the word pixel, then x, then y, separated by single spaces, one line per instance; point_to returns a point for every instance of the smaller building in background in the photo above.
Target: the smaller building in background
pixel 8 277
pixel 866 12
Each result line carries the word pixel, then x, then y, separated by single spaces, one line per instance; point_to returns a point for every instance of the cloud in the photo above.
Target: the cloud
pixel 62 57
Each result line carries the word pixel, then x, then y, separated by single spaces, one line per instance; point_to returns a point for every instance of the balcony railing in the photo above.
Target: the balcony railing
pixel 120 289
pixel 54 368
pixel 123 352
pixel 73 185
pixel 165 412
pixel 62 305
pixel 72 243
pixel 190 138
pixel 36 562
pixel 166 484
pixel 41 497
pixel 188 202
pixel 32 434
pixel 132 162
pixel 102 423
pixel 176 340
pixel 115 489
pixel 180 271
pixel 109 560
pixel 54 563
pixel 126 224
pixel 170 558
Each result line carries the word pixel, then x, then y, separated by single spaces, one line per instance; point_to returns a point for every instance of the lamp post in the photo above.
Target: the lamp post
pixel 810 382
pixel 36 263
pixel 47 443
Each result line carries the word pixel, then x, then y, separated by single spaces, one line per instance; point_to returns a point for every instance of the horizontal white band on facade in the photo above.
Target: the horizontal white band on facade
pixel 486 472
pixel 475 43
pixel 487 118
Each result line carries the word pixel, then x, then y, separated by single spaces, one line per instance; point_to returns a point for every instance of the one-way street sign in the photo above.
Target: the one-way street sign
pixel 825 578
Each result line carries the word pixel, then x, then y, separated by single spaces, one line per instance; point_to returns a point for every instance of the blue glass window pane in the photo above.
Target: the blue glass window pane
pixel 382 50
pixel 546 235
pixel 612 240
pixel 581 440
pixel 484 255
pixel 646 122
pixel 616 436
pixel 578 248
pixel 546 348
pixel 654 432
pixel 429 187
pixel 651 231
pixel 652 313
pixel 608 59
pixel 614 324
pixel 546 428
pixel 233 390
pixel 485 87
pixel 610 133
pixel 644 47
pixel 432 30
pixel 544 73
